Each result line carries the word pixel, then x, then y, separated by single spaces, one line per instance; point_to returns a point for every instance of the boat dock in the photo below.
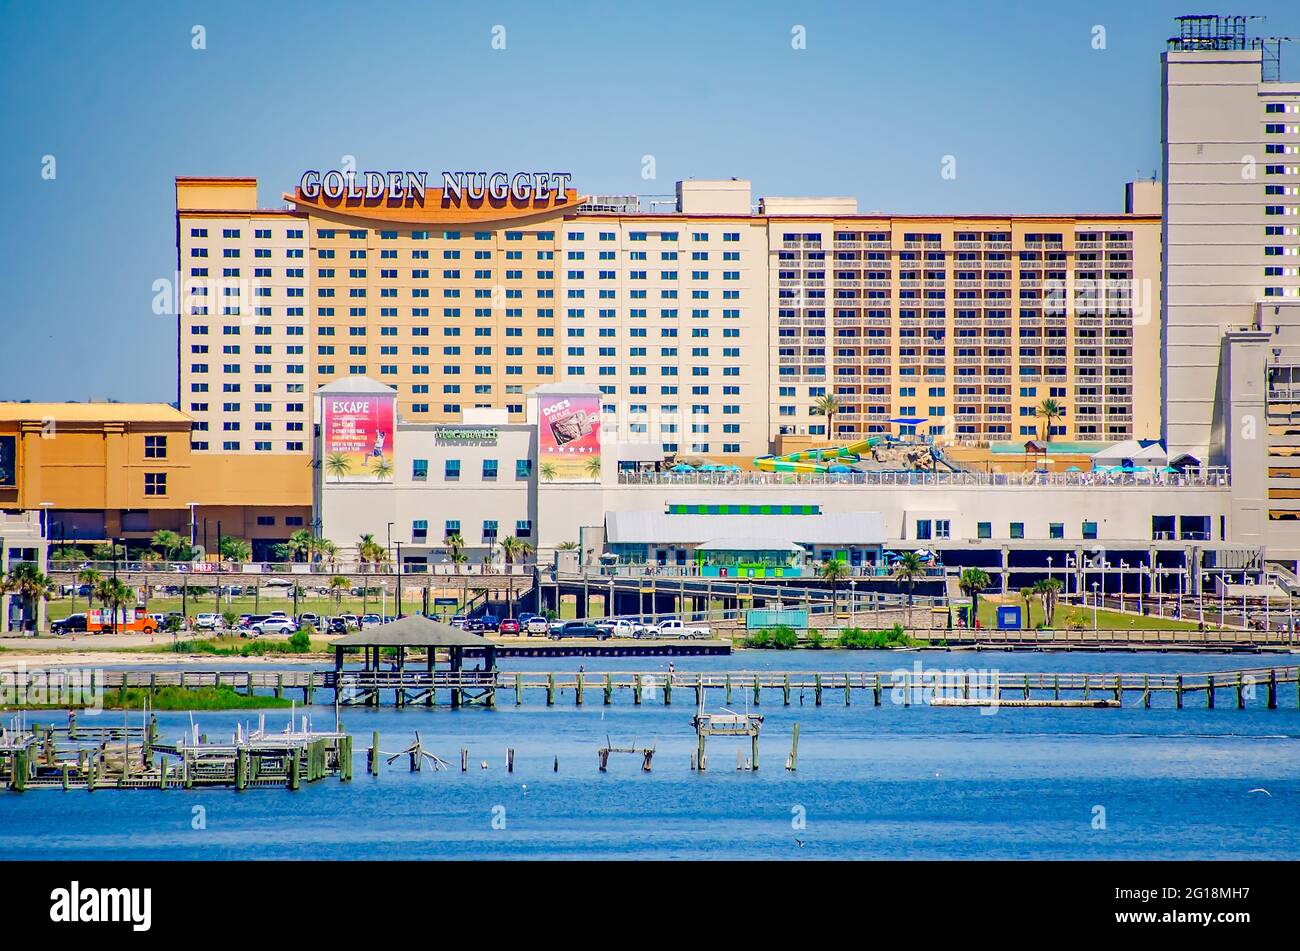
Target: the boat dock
pixel 76 756
pixel 430 688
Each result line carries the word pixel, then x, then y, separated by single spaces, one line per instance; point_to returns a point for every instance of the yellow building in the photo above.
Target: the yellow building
pixel 125 470
pixel 712 329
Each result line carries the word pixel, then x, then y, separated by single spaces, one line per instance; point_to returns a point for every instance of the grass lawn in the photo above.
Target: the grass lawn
pixel 174 698
pixel 1106 620
pixel 62 607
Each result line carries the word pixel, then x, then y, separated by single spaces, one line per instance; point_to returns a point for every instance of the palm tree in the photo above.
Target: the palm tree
pixel 972 582
pixel 168 541
pixel 1027 596
pixel 338 584
pixel 31 584
pixel 90 578
pixel 383 469
pixel 455 546
pixel 338 465
pixel 370 552
pixel 567 546
pixel 1049 409
pixel 114 594
pixel 834 571
pixel 235 549
pixel 1048 589
pixel 909 567
pixel 548 471
pixel 826 405
pixel 592 468
pixel 300 543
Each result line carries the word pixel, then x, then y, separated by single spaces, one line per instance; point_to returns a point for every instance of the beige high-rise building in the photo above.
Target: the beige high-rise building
pixel 1232 211
pixel 712 329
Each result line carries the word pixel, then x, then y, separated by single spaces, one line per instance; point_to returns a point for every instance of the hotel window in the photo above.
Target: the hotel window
pixel 523 468
pixel 1017 529
pixel 1090 530
pixel 155 483
pixel 265 520
pixel 451 470
pixel 489 529
pixel 420 469
pixel 523 528
pixel 1056 530
pixel 489 469
pixel 451 527
pixel 923 529
pixel 419 530
pixel 155 447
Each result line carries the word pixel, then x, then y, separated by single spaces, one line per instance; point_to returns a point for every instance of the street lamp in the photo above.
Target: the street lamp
pixel 1094 607
pixel 389 549
pixel 193 527
pixel 398 612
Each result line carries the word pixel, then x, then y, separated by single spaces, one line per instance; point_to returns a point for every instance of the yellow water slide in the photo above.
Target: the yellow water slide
pixel 817 460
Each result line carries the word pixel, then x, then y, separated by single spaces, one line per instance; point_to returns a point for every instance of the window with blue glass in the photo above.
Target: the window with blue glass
pixel 451 470
pixel 489 468
pixel 419 469
pixel 451 527
pixel 489 529
pixel 419 530
pixel 523 528
pixel 523 468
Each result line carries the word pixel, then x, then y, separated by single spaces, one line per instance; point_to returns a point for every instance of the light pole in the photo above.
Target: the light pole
pixel 1123 584
pixel 1094 607
pixel 1049 569
pixel 398 610
pixel 1223 593
pixel 389 549
pixel 193 527
pixel 853 601
pixel 1141 585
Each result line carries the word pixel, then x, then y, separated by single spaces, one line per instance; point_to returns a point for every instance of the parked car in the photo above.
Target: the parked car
pixel 273 625
pixel 309 617
pixel 209 622
pixel 71 624
pixel 490 622
pixel 578 629
pixel 336 625
pixel 371 620
pixel 674 627
pixel 620 627
pixel 537 624
pixel 458 620
pixel 508 626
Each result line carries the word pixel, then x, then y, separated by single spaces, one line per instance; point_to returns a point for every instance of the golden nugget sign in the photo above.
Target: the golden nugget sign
pixel 409 187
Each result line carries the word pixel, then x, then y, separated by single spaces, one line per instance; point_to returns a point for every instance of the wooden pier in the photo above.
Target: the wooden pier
pixel 784 687
pixel 77 756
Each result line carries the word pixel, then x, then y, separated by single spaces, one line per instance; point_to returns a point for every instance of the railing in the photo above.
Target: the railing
pixel 210 573
pixel 1216 477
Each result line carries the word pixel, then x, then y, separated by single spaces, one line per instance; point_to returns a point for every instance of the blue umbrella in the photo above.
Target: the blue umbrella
pixel 682 467
pixel 1074 469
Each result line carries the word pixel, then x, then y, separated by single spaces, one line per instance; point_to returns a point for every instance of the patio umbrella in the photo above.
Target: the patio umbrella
pixel 708 467
pixel 1168 469
pixel 682 467
pixel 1074 469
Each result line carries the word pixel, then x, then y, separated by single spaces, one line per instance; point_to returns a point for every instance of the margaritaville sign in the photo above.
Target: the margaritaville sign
pixel 407 187
pixel 463 434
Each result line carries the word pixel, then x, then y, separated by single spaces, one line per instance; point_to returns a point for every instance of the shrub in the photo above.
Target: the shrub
pixel 300 640
pixel 784 638
pixel 816 640
pixel 855 638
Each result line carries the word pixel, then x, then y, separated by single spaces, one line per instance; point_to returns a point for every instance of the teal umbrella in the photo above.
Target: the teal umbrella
pixel 1074 469
pixel 682 467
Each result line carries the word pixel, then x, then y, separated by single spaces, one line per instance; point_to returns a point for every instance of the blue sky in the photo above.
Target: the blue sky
pixel 1038 120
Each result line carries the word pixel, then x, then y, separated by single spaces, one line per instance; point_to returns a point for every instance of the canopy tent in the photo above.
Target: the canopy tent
pixel 908 420
pixel 1131 452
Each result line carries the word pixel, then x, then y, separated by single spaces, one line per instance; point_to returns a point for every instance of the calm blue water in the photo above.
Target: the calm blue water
pixel 873 782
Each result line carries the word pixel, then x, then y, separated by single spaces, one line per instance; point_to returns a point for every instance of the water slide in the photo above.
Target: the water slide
pixel 817 460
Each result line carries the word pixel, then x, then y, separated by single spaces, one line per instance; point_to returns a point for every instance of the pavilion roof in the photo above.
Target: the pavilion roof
pixel 415 630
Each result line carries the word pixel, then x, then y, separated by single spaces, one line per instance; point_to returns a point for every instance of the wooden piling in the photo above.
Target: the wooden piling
pixel 519 690
pixel 817 689
pixel 609 689
pixel 1209 691
pixel 785 690
pixel 510 759
pixel 1241 692
pixel 1272 689
pixel 875 691
pixel 372 760
pixel 792 763
pixel 577 693
pixel 1178 692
